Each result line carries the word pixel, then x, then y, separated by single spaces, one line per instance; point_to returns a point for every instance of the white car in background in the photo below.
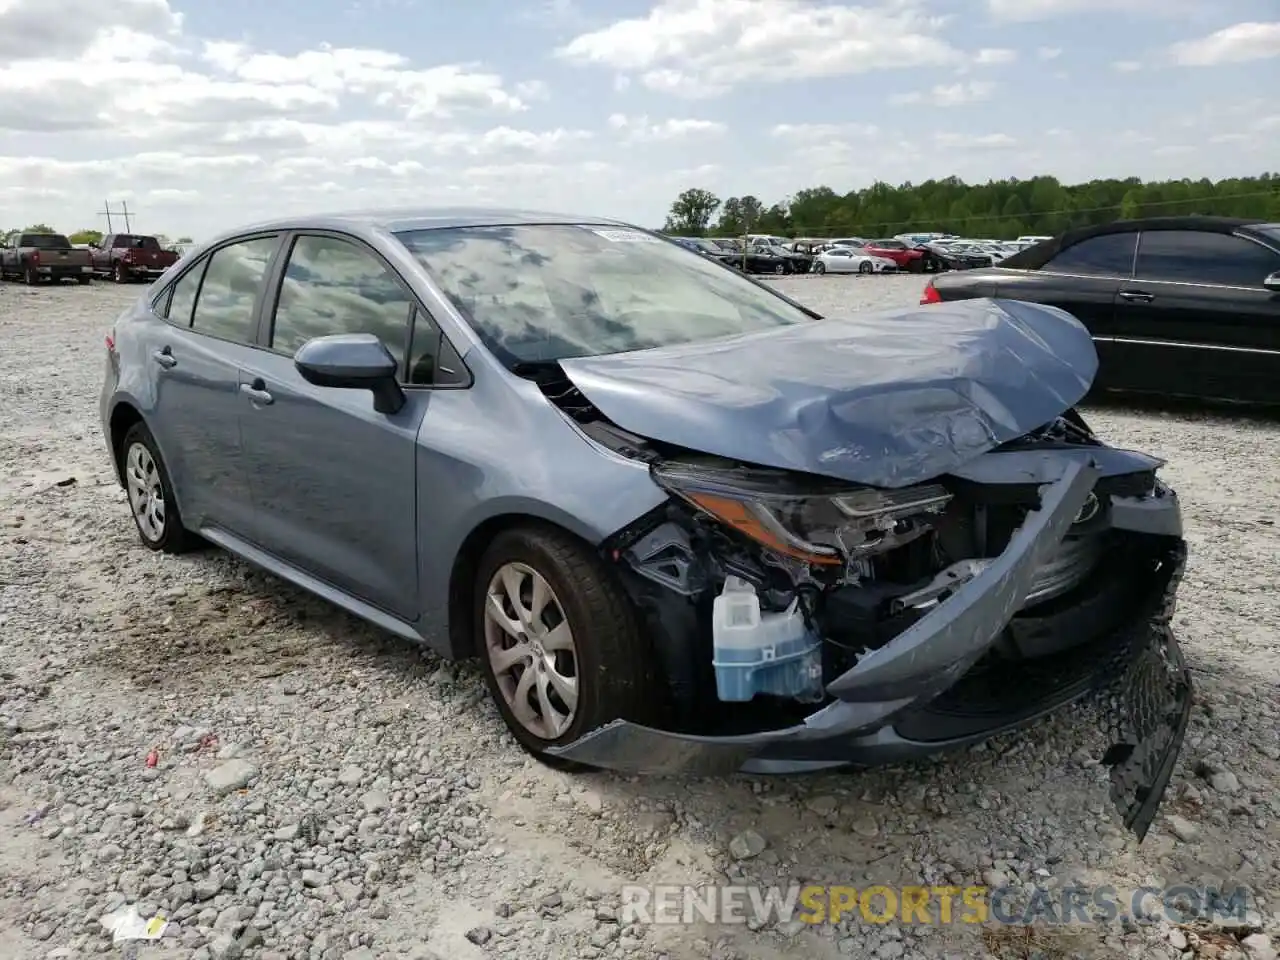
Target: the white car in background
pixel 851 260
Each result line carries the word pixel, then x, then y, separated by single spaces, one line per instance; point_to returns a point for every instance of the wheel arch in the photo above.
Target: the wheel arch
pixel 466 562
pixel 123 416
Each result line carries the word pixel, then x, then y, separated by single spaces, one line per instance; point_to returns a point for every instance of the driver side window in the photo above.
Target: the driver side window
pixel 335 286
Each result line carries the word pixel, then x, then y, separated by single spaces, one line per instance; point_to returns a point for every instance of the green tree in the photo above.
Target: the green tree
pixel 39 228
pixel 691 212
pixel 86 236
pixel 998 208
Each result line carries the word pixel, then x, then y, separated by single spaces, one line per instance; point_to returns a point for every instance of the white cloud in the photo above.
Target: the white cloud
pixel 817 133
pixel 948 95
pixel 1032 10
pixel 1126 66
pixel 700 48
pixel 641 129
pixel 1049 53
pixel 991 56
pixel 1241 43
pixel 970 141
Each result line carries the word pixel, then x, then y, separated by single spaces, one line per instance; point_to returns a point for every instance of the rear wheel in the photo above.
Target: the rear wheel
pixel 780 268
pixel 151 500
pixel 30 276
pixel 119 274
pixel 83 281
pixel 866 267
pixel 559 642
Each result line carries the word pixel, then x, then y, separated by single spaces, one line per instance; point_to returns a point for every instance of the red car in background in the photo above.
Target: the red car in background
pixel 907 258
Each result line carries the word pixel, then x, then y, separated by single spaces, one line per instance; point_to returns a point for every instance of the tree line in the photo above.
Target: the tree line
pixel 84 236
pixel 998 209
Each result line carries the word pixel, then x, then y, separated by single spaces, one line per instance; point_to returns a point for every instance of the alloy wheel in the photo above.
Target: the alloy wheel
pixel 146 491
pixel 531 649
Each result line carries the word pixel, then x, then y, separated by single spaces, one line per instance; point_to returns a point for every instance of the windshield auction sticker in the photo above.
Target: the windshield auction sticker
pixel 625 236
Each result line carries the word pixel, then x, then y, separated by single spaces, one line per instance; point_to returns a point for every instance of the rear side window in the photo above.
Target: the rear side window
pixel 1201 257
pixel 335 286
pixel 182 300
pixel 1110 255
pixel 232 282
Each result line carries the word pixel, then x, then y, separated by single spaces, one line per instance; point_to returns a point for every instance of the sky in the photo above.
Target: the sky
pixel 206 116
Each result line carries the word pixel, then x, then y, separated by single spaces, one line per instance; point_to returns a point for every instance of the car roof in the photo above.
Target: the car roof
pixel 424 218
pixel 1037 256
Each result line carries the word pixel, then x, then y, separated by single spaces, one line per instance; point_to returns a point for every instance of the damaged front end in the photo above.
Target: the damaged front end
pixel 805 623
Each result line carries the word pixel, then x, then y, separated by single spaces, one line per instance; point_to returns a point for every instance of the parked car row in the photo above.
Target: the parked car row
pixel 916 253
pixel 51 258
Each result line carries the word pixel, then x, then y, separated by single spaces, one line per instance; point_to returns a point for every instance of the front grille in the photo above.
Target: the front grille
pixel 1066 568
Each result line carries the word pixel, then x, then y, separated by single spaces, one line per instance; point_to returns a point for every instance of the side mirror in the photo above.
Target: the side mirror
pixel 1272 282
pixel 352 361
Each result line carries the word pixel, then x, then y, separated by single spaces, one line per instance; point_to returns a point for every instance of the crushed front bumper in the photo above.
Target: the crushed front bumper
pixel 920 693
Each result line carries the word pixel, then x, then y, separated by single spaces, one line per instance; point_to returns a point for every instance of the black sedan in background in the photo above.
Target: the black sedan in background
pixel 1178 306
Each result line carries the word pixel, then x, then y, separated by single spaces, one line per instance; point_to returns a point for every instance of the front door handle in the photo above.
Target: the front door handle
pixel 165 358
pixel 257 392
pixel 1136 296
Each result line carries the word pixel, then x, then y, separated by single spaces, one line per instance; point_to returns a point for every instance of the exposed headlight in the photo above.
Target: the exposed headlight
pixel 821 523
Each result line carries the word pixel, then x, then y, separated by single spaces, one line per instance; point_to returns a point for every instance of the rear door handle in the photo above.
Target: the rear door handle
pixel 1136 296
pixel 165 358
pixel 257 392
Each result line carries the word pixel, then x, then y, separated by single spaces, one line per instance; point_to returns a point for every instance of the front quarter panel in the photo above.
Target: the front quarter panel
pixel 500 449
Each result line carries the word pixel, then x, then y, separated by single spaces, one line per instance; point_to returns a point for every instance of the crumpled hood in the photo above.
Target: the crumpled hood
pixel 887 399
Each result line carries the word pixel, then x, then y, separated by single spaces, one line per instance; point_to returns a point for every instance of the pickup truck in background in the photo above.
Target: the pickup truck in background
pixel 35 257
pixel 125 257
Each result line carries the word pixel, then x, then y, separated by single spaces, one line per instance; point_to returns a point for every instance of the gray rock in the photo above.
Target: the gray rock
pixel 375 801
pixel 313 878
pixel 224 946
pixel 232 775
pixel 479 935
pixel 1183 828
pixel 1224 782
pixel 747 845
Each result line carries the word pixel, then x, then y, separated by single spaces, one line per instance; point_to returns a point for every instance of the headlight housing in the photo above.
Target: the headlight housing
pixel 824 523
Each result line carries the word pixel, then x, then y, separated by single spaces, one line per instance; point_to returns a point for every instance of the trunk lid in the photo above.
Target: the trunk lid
pixel 886 399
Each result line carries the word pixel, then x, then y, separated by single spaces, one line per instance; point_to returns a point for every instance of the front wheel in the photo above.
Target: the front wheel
pixel 151 499
pixel 559 643
pixel 819 268
pixel 780 268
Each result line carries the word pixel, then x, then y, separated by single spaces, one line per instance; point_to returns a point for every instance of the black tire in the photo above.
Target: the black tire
pixel 119 274
pixel 83 281
pixel 865 267
pixel 175 537
pixel 780 268
pixel 819 268
pixel 614 662
pixel 30 277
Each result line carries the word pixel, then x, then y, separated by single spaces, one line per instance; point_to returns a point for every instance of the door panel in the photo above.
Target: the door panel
pixel 1196 320
pixel 195 356
pixel 334 480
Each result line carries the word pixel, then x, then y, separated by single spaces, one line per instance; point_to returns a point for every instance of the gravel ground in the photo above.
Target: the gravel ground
pixel 187 734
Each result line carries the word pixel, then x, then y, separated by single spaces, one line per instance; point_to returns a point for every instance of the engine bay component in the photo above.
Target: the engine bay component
pixel 756 652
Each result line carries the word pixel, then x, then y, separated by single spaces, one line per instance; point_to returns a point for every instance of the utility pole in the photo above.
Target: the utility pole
pixel 122 212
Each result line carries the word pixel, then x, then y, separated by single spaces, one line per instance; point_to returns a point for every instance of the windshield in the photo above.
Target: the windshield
pixel 536 293
pixel 1269 230
pixel 137 243
pixel 44 241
